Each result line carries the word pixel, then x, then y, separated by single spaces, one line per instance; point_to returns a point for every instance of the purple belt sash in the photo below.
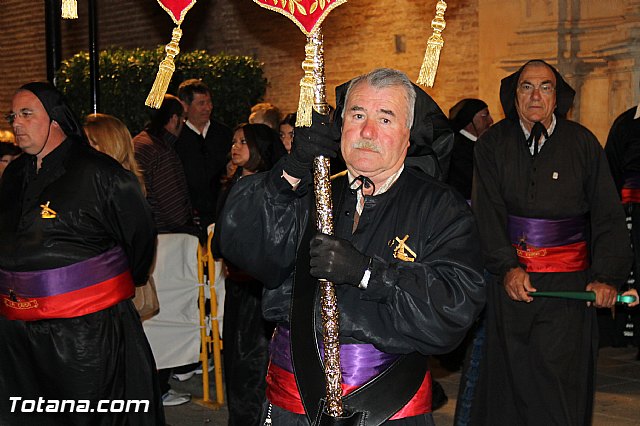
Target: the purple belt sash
pixel 546 232
pixel 358 362
pixel 550 245
pixel 52 282
pixel 70 291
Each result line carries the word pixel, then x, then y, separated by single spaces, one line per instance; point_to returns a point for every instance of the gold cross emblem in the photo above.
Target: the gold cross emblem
pixel 402 250
pixel 47 212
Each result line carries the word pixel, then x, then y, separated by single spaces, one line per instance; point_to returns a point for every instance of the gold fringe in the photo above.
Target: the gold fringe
pixel 69 9
pixel 167 67
pixel 434 46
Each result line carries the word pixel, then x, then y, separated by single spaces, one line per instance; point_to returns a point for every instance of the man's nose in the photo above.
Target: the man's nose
pixel 535 94
pixel 368 129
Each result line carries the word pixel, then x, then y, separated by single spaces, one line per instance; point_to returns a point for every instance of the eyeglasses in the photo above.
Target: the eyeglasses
pixel 544 88
pixel 25 114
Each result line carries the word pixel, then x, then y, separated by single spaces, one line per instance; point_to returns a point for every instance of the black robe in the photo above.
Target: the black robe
pixel 461 165
pixel 623 153
pixel 102 355
pixel 540 357
pixel 423 306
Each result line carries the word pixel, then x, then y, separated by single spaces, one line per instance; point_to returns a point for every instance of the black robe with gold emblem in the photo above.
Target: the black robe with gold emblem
pixel 425 305
pixel 102 355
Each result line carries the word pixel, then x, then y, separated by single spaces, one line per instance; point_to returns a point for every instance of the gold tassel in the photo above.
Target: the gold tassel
pixel 307 86
pixel 69 9
pixel 434 46
pixel 305 105
pixel 167 67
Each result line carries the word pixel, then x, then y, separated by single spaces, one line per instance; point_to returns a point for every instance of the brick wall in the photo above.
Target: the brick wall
pixel 484 41
pixel 359 35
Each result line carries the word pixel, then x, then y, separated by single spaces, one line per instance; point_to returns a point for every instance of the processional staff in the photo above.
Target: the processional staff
pixel 308 16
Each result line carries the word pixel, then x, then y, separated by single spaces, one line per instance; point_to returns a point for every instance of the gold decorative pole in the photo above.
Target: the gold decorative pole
pixel 434 46
pixel 314 65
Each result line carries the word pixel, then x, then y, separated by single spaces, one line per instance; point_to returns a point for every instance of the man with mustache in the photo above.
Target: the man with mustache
pixel 550 220
pixel 404 256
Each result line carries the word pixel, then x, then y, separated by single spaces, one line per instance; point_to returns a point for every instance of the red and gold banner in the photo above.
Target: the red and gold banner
pixel 306 14
pixel 177 8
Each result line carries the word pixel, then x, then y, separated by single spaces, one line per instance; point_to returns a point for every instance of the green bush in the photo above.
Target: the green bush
pixel 126 76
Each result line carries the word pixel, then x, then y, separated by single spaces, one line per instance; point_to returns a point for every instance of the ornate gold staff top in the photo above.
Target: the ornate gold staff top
pixel 308 15
pixel 434 45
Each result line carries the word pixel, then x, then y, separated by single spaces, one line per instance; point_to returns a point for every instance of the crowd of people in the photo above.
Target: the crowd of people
pixel 445 228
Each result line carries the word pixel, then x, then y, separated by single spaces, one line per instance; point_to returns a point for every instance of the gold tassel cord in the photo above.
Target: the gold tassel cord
pixel 307 85
pixel 434 46
pixel 167 67
pixel 69 9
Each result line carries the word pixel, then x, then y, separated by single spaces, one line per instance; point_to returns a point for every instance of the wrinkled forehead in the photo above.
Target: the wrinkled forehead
pixel 24 99
pixel 537 71
pixel 391 100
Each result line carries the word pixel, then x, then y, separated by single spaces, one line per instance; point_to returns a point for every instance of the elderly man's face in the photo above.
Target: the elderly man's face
pixel 31 124
pixel 375 137
pixel 536 95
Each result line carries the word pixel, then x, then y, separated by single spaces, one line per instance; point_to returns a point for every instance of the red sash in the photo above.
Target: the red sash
pixel 79 289
pixel 282 391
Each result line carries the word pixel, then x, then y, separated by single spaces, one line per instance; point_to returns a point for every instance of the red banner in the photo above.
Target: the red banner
pixel 177 8
pixel 306 14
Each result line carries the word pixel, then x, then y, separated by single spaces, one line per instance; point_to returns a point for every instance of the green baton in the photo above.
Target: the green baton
pixel 589 296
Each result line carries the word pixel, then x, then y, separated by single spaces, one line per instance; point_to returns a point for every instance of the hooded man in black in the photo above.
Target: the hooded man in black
pixel 549 221
pixel 469 118
pixel 404 257
pixel 76 237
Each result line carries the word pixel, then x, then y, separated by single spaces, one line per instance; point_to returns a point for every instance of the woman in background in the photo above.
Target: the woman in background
pixel 245 333
pixel 287 125
pixel 109 135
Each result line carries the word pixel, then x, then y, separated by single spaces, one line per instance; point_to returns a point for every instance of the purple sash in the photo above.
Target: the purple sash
pixel 52 282
pixel 546 232
pixel 358 362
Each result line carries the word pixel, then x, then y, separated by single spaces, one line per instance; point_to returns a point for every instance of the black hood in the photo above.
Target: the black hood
pixel 431 138
pixel 56 108
pixel 509 86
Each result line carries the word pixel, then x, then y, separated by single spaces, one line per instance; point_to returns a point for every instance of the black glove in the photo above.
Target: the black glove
pixel 336 260
pixel 309 142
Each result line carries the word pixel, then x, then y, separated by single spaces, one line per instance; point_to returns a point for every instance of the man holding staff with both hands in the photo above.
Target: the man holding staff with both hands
pixel 405 257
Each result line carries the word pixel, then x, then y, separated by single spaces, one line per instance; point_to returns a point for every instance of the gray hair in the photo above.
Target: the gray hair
pixel 382 78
